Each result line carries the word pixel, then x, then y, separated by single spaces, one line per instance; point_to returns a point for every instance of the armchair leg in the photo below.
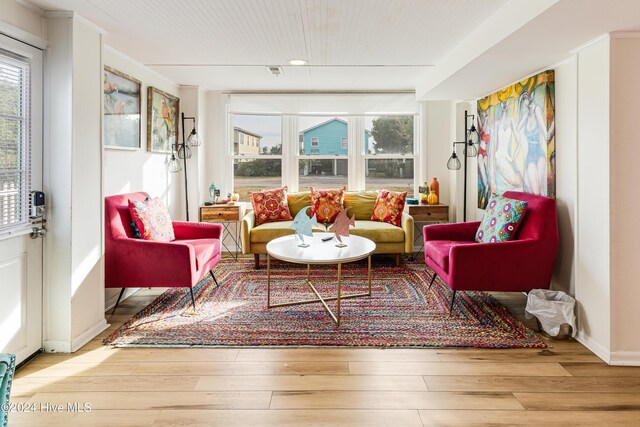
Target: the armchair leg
pixel 193 300
pixel 118 300
pixel 433 279
pixel 453 297
pixel 214 277
pixel 256 260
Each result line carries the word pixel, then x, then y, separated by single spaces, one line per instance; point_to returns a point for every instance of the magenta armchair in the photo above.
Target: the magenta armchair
pixel 135 263
pixel 519 265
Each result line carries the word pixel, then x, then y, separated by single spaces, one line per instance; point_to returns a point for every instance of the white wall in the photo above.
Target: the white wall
pixel 24 18
pixel 73 297
pixel 624 200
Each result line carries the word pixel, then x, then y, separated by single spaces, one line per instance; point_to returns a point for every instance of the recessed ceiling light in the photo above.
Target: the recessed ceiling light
pixel 298 62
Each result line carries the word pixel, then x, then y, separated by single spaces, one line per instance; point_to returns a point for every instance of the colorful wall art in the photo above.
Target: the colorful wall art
pixel 121 110
pixel 517 139
pixel 162 120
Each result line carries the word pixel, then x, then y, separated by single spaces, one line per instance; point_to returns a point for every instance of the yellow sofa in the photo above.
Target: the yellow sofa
pixel 389 239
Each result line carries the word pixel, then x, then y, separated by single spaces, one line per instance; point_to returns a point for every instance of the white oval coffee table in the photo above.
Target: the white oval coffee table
pixel 320 252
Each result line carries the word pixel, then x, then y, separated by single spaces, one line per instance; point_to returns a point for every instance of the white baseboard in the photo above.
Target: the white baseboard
pixel 597 348
pixel 88 335
pixel 625 358
pixel 53 346
pixel 112 301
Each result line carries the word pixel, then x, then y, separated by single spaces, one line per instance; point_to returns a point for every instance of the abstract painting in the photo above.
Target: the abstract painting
pixel 121 110
pixel 162 120
pixel 517 148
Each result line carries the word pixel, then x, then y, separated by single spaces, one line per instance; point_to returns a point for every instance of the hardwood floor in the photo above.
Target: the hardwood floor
pixel 564 384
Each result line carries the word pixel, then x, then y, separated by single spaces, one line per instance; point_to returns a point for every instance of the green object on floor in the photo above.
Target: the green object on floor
pixel 7 369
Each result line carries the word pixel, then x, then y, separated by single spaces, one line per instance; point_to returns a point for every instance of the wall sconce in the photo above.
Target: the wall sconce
pixel 470 150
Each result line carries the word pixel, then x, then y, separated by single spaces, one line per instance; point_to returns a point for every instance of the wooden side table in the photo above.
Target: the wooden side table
pixel 426 214
pixel 225 214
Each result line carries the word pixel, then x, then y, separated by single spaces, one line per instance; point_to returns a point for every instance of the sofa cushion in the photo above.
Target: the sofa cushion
pixel 361 203
pixel 379 232
pixel 501 219
pixel 150 220
pixel 298 201
pixel 272 230
pixel 271 205
pixel 326 204
pixel 205 249
pixel 438 250
pixel 389 207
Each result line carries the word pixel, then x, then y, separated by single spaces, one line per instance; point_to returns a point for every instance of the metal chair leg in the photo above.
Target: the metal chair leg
pixel 193 300
pixel 214 277
pixel 118 301
pixel 433 279
pixel 453 297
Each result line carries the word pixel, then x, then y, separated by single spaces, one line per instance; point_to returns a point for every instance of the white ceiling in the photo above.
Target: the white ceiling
pixel 226 44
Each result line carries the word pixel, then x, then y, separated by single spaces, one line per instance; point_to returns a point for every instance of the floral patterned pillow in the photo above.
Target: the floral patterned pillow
pixel 389 206
pixel 271 205
pixel 150 220
pixel 327 204
pixel 501 219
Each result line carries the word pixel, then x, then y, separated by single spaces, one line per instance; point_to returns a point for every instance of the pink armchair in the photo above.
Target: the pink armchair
pixel 135 263
pixel 519 265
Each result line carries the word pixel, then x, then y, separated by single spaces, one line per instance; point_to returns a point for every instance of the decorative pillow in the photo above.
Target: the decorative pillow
pixel 150 220
pixel 389 206
pixel 501 219
pixel 271 205
pixel 326 204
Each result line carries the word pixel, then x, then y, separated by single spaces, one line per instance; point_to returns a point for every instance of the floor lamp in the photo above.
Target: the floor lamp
pixel 184 153
pixel 470 150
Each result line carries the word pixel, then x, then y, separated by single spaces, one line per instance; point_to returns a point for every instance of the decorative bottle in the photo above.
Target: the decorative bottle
pixel 432 198
pixel 435 186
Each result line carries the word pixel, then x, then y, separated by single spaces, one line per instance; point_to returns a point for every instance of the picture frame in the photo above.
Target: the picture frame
pixel 162 120
pixel 121 110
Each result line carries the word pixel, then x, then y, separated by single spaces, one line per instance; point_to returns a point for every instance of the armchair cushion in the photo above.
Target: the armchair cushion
pixel 440 250
pixel 150 220
pixel 205 249
pixel 501 219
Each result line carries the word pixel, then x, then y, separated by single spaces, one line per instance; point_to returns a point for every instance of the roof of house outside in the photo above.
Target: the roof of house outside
pixel 247 132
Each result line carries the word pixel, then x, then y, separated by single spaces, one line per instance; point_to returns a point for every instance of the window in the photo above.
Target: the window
pixel 389 153
pixel 328 166
pixel 315 141
pixel 322 173
pixel 344 143
pixel 257 157
pixel 14 143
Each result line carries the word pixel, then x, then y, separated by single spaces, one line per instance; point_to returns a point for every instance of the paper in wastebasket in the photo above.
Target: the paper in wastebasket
pixel 552 308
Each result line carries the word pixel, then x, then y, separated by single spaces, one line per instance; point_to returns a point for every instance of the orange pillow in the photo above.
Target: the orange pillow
pixel 389 207
pixel 270 205
pixel 327 204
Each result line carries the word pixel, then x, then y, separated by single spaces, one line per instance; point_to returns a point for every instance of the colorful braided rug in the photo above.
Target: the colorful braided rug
pixel 402 312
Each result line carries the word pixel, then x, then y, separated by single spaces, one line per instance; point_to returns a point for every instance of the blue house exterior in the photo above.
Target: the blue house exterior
pixel 328 139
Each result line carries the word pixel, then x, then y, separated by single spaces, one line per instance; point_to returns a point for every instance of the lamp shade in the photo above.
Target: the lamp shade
pixel 184 152
pixel 471 150
pixel 473 135
pixel 454 162
pixel 174 165
pixel 194 139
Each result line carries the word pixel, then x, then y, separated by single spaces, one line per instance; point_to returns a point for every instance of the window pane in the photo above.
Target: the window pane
pixel 329 173
pixel 322 136
pixel 389 174
pixel 255 175
pixel 256 135
pixel 389 135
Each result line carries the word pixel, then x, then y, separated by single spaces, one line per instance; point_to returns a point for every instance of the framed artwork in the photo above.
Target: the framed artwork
pixel 162 120
pixel 121 129
pixel 517 145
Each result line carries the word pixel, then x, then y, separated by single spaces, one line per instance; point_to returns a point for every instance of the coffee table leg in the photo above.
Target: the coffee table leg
pixel 339 291
pixel 268 281
pixel 369 273
pixel 308 272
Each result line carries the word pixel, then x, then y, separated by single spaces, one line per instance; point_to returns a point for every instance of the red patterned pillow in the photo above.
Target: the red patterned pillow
pixel 327 204
pixel 389 207
pixel 271 205
pixel 150 220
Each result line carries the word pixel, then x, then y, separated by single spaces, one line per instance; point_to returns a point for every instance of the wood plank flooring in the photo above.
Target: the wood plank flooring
pixel 564 384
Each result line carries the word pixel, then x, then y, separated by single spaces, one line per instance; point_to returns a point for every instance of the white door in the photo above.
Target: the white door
pixel 21 90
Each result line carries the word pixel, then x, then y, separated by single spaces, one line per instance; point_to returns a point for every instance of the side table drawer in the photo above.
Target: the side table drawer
pixel 431 217
pixel 219 214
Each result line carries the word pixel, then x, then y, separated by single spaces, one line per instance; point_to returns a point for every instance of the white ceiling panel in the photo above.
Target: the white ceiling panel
pixel 332 35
